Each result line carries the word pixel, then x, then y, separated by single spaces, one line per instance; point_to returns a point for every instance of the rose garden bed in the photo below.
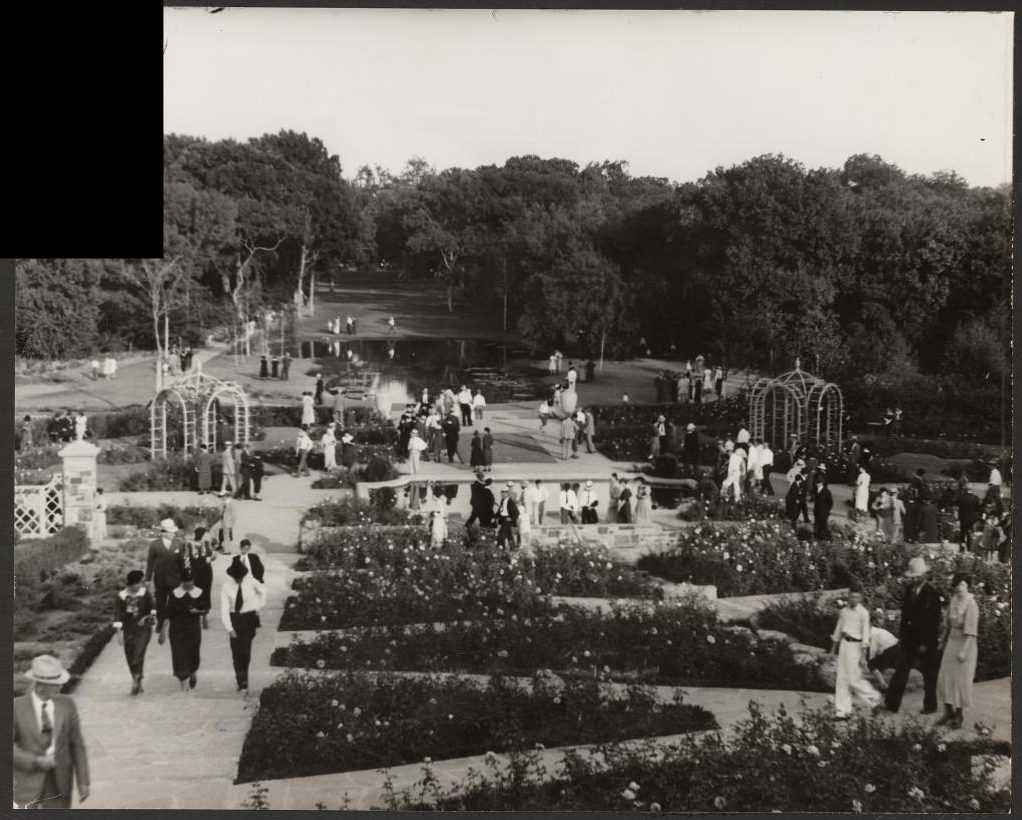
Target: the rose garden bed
pixel 310 724
pixel 680 645
pixel 390 575
pixel 772 763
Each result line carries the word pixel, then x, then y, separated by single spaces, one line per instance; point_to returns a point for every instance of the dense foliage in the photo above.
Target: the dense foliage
pixel 751 265
pixel 310 724
pixel 773 763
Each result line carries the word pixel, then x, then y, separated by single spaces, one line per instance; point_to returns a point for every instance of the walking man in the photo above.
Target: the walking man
pixel 163 571
pixel 919 634
pixel 303 446
pixel 49 750
pixel 241 598
pixel 227 467
pixel 257 469
pixel 568 431
pixel 245 472
pixel 850 635
pixel 507 518
pixel 415 447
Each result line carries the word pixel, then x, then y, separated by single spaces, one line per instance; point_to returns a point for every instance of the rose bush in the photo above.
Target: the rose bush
pixel 309 724
pixel 682 645
pixel 774 763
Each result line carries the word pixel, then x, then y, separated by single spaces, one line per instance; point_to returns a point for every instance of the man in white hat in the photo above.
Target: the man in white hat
pixel 589 502
pixel 49 751
pixel 163 570
pixel 416 445
pixel 919 634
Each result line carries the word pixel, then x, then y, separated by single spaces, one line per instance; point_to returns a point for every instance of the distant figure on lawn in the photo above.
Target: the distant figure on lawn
pixel 285 366
pixel 390 325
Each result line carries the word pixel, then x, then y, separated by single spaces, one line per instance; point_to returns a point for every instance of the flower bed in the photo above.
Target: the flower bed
pixel 765 557
pixel 774 763
pixel 318 724
pixel 813 622
pixel 750 508
pixel 393 575
pixel 679 645
pixel 350 512
pixel 147 518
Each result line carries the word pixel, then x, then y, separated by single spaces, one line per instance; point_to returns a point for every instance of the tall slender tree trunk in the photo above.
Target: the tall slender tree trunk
pixel 312 292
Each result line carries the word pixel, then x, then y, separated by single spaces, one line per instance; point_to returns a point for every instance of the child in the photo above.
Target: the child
pixel 850 634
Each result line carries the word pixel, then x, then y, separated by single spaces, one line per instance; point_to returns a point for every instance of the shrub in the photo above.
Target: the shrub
pixel 37 559
pixel 774 763
pixel 128 421
pixel 144 518
pixel 172 473
pixel 350 512
pixel 314 724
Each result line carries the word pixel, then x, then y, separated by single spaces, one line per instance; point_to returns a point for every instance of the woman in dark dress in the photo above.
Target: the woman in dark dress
pixel 347 451
pixel 476 459
pixel 185 611
pixel 487 449
pixel 264 370
pixel 134 611
pixel 198 556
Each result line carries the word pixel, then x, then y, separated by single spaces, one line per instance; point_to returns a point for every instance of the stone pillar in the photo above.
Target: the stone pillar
pixel 80 485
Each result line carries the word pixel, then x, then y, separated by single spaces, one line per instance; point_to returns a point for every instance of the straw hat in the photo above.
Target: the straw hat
pixel 47 669
pixel 168 525
pixel 916 567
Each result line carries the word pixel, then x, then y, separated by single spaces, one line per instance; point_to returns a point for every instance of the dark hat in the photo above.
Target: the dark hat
pixel 135 576
pixel 237 570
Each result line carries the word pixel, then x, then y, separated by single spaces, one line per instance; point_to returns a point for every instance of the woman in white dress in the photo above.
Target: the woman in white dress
pixel 862 491
pixel 99 518
pixel 308 411
pixel 642 502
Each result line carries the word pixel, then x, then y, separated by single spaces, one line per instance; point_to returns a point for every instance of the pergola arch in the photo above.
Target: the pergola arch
pixel 242 426
pixel 198 396
pixel 796 404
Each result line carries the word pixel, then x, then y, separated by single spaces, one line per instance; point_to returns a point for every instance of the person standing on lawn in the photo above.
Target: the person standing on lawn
pixel 241 598
pixel 134 612
pixel 823 503
pixel 163 570
pixel 49 750
pixel 958 662
pixel 919 634
pixel 264 369
pixel 851 633
pixel 185 611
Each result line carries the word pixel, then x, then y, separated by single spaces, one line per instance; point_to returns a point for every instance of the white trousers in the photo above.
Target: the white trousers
pixel 849 679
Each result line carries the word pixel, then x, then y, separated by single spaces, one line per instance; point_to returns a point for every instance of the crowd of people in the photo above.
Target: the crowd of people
pixel 694 384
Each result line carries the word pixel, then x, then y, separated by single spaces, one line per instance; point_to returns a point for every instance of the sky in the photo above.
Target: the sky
pixel 675 94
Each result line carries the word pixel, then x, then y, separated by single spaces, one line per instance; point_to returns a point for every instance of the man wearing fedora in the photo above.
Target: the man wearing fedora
pixel 49 751
pixel 919 634
pixel 241 598
pixel 163 570
pixel 589 501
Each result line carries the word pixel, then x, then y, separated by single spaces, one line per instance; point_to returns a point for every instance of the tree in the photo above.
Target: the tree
pixel 56 308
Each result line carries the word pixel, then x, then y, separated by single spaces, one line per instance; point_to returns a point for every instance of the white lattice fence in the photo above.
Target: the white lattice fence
pixel 39 509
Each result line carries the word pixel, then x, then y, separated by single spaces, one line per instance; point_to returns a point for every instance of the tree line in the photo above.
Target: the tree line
pixel 858 270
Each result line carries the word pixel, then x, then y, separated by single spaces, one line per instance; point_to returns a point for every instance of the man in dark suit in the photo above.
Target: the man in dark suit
pixel 245 468
pixel 163 570
pixel 49 751
pixel 823 503
pixel 252 562
pixel 258 471
pixel 690 450
pixel 507 518
pixel 969 508
pixel 919 635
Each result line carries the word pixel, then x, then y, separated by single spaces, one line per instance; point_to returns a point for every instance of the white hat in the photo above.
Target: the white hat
pixel 47 669
pixel 168 525
pixel 690 426
pixel 347 438
pixel 916 567
pixel 589 484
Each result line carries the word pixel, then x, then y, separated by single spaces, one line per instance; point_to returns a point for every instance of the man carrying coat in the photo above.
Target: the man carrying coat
pixel 163 570
pixel 49 751
pixel 919 635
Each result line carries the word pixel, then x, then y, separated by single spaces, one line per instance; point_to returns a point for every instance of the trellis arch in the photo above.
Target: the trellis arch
pixel 798 404
pixel 198 396
pixel 242 426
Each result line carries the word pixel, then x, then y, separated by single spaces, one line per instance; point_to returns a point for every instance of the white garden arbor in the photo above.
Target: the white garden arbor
pixel 195 400
pixel 798 404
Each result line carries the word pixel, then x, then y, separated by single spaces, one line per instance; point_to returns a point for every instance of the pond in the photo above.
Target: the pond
pixel 401 368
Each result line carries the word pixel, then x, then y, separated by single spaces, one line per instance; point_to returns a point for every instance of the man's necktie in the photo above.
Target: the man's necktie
pixel 238 600
pixel 47 725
